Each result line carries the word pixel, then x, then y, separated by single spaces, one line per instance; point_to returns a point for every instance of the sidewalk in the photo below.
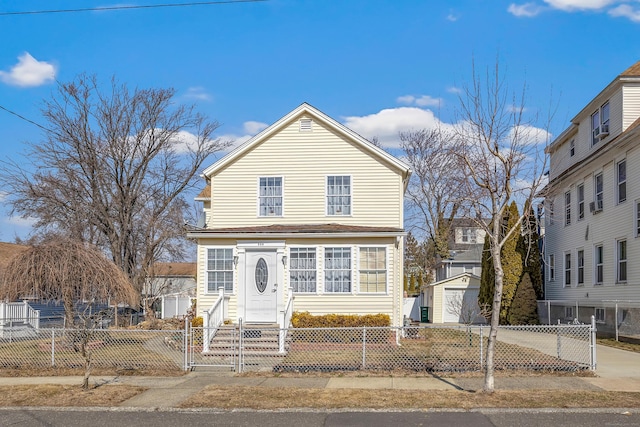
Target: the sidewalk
pixel 617 370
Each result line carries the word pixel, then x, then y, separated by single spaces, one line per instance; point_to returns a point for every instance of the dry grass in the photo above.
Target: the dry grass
pixel 228 397
pixel 54 371
pixel 611 342
pixel 55 395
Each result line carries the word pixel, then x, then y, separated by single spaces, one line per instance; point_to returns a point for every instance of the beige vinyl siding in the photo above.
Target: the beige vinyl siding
pixel 389 302
pixel 376 190
pixel 631 104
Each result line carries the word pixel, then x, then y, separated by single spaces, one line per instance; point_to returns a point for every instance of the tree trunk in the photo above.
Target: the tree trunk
pixel 489 386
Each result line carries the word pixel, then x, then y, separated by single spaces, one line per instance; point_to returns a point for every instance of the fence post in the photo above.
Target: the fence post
pixel 593 343
pixel 558 344
pixel 185 343
pixel 53 347
pixel 616 321
pixel 481 346
pixel 364 347
pixel 548 312
pixel 240 344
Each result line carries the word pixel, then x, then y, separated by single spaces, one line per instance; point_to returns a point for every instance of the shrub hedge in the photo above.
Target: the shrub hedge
pixel 303 319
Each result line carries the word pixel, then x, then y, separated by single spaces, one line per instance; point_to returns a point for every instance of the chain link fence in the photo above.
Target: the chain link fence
pixel 614 318
pixel 117 351
pixel 437 349
pixel 426 348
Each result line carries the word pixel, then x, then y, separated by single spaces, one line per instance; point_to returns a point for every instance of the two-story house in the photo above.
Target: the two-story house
pixel 453 297
pixel 592 207
pixel 306 209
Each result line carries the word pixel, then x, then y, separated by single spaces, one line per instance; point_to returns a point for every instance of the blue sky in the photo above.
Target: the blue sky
pixel 378 66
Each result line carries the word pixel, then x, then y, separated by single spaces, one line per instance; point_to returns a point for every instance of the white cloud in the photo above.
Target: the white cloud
pixel 3 196
pixel 388 123
pixel 20 222
pixel 420 101
pixel 197 92
pixel 570 5
pixel 453 16
pixel 253 128
pixel 526 10
pixel 626 11
pixel 29 72
pixel 453 89
pixel 530 135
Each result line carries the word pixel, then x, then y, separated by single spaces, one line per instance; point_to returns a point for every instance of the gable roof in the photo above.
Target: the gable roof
pixel 634 70
pixel 470 276
pixel 175 269
pixel 306 109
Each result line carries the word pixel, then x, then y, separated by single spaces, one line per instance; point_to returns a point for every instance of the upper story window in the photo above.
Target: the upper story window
pixel 580 202
pixel 469 235
pixel 338 195
pixel 637 218
pixel 550 212
pixel 600 124
pixel 580 267
pixel 572 148
pixel 598 186
pixel 270 196
pixel 567 269
pixel 552 268
pixel 567 208
pixel 621 177
pixel 621 261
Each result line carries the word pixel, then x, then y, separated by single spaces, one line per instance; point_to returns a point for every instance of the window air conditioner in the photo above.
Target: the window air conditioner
pixel 604 131
pixel 593 208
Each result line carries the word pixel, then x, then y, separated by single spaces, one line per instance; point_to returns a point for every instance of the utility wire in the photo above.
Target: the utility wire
pixel 124 7
pixel 24 118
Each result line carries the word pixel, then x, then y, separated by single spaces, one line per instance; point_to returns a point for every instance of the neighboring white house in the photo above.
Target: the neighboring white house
pixel 592 210
pixel 172 287
pixel 306 208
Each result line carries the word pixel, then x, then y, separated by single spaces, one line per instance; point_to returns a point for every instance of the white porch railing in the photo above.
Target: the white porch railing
pixel 212 319
pixel 18 312
pixel 286 320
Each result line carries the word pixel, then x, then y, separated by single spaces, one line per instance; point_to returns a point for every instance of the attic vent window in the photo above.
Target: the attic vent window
pixel 305 125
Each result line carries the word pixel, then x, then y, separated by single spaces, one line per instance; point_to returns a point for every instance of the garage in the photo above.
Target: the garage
pixel 460 305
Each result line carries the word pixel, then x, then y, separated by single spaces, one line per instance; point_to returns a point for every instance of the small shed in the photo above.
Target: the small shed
pixel 453 300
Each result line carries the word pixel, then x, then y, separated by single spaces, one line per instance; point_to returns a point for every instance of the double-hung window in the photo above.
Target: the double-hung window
pixel 580 267
pixel 219 269
pixel 599 314
pixel 550 212
pixel 567 208
pixel 580 202
pixel 621 177
pixel 598 185
pixel 302 269
pixel 337 270
pixel 338 195
pixel 600 123
pixel 270 196
pixel 567 269
pixel 373 269
pixel 621 261
pixel 598 262
pixel 572 147
pixel 552 267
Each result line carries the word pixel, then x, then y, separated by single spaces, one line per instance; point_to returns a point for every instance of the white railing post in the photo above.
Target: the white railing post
pixel 593 343
pixel 220 321
pixel 205 331
pixel 3 313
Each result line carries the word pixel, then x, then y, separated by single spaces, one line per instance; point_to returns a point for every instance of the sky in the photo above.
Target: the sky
pixel 378 66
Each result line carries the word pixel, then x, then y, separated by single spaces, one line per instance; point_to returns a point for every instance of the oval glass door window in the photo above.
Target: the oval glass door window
pixel 262 275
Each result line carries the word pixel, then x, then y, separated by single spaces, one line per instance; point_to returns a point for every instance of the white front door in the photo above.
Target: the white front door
pixel 261 287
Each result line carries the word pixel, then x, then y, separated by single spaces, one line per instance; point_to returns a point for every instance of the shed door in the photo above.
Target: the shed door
pixel 460 305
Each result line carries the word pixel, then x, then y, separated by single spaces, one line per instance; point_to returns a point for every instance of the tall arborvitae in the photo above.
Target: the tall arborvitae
pixel 512 264
pixel 487 277
pixel 530 251
pixel 524 307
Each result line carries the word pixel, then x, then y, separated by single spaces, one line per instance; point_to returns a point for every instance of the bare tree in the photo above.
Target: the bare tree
pixel 112 170
pixel 75 274
pixel 503 157
pixel 437 181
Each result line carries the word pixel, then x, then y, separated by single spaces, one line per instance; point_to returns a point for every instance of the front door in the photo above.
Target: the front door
pixel 261 287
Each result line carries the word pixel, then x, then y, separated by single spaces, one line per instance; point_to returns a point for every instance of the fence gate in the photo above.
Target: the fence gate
pixel 223 351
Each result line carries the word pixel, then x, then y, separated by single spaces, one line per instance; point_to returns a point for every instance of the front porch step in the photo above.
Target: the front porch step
pixel 259 340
